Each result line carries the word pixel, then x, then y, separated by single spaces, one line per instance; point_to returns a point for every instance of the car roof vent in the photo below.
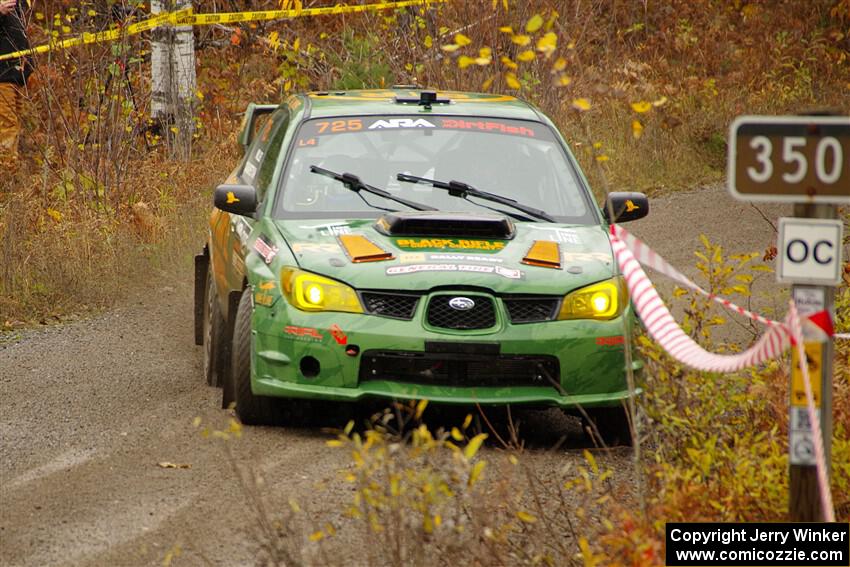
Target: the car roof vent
pixel 447 225
pixel 425 98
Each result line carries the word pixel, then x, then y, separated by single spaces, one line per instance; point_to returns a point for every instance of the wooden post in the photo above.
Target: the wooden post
pixel 804 500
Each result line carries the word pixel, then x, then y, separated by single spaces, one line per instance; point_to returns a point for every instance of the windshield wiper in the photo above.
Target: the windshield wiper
pixel 354 183
pixel 463 190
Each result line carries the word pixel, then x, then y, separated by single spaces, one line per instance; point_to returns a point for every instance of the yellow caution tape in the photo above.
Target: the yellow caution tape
pixel 189 18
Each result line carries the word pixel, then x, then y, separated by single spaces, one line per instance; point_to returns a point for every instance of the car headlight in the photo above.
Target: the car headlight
pixel 603 301
pixel 312 292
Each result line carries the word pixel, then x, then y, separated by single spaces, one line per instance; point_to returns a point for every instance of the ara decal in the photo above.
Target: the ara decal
pixel 312 247
pixel 449 243
pixel 401 123
pixel 417 268
pixel 563 235
pixel 264 248
pixel 339 335
pixel 304 333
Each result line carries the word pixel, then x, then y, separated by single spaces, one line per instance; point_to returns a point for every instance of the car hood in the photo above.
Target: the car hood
pixel 422 263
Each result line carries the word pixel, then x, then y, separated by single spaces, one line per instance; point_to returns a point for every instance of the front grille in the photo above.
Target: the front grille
pixel 481 316
pixel 395 305
pixel 447 369
pixel 532 309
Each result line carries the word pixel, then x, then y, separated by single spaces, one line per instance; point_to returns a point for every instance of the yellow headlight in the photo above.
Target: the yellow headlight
pixel 603 300
pixel 312 292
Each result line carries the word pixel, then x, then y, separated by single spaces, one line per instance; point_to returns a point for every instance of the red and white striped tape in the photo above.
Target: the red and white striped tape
pixel 662 326
pixel 817 434
pixel 631 252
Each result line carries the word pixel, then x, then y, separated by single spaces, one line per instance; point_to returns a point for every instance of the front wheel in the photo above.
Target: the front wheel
pixel 251 409
pixel 610 425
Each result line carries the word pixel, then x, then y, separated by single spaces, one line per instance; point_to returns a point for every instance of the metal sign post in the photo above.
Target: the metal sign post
pixel 804 160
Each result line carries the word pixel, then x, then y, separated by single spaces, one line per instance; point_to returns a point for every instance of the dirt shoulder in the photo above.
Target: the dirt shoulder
pixel 91 408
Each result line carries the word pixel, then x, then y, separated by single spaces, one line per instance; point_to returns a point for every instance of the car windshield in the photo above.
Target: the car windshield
pixel 516 159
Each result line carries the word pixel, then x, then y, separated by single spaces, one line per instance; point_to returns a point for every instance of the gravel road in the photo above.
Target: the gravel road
pixel 89 410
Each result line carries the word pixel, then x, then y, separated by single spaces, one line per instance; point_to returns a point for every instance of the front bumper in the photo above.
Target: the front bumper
pixel 304 355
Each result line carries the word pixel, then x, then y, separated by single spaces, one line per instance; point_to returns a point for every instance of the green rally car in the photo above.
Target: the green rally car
pixel 407 244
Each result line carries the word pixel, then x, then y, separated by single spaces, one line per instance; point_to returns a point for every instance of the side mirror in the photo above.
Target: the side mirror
pixel 236 199
pixel 249 123
pixel 626 206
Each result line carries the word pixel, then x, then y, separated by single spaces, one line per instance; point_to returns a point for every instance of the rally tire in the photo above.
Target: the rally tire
pixel 611 424
pixel 251 409
pixel 214 335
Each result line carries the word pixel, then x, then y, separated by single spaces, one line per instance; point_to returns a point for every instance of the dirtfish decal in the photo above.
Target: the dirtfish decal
pixel 401 123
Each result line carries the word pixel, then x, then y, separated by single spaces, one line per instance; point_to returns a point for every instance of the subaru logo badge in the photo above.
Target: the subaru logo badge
pixel 461 303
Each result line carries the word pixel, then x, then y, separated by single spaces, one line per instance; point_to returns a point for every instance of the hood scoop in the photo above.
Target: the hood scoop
pixel 452 225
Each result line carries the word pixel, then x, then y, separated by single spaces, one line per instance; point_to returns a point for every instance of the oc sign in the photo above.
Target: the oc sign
pixel 810 251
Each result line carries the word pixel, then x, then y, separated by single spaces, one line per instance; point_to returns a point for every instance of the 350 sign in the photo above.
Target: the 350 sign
pixel 790 158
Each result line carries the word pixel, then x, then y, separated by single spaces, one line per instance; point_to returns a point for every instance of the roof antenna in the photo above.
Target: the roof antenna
pixel 427 98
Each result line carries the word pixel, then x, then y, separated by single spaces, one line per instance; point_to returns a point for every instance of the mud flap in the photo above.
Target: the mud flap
pixel 202 265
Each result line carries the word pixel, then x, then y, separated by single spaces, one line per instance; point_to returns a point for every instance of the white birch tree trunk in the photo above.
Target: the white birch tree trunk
pixel 173 79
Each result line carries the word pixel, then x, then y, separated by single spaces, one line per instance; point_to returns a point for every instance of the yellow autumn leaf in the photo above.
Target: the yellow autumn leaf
pixel 591 460
pixel 525 56
pixel 521 40
pixel 316 536
pixel 483 61
pixel 526 517
pixel 450 48
pixel 506 61
pixel 54 214
pixel 473 445
pixel 464 61
pixel 641 107
pixel 506 29
pixel 512 81
pixel 456 434
pixel 476 472
pixel 488 82
pixel 296 44
pixel 420 407
pixel 485 52
pixel 429 41
pixel 334 443
pixel 660 101
pixel 637 129
pixel 602 158
pixel 581 104
pixel 534 23
pixel 547 43
pixel 513 460
pixel 462 40
pixel 560 65
pixel 467 420
pixel 564 80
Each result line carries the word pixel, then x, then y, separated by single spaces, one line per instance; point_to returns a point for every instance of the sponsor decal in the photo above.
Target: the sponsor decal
pixel 294 103
pixel 411 257
pixel 231 198
pixel 463 258
pixel 250 171
pixel 304 142
pixel 266 286
pixel 258 155
pixel 449 243
pixel 304 333
pixel 314 247
pixel 487 126
pixel 339 336
pixel 587 257
pixel 264 248
pixel 469 268
pixel 263 299
pixel 564 235
pixel 401 123
pixel 243 229
pixel 330 229
pixel 610 341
